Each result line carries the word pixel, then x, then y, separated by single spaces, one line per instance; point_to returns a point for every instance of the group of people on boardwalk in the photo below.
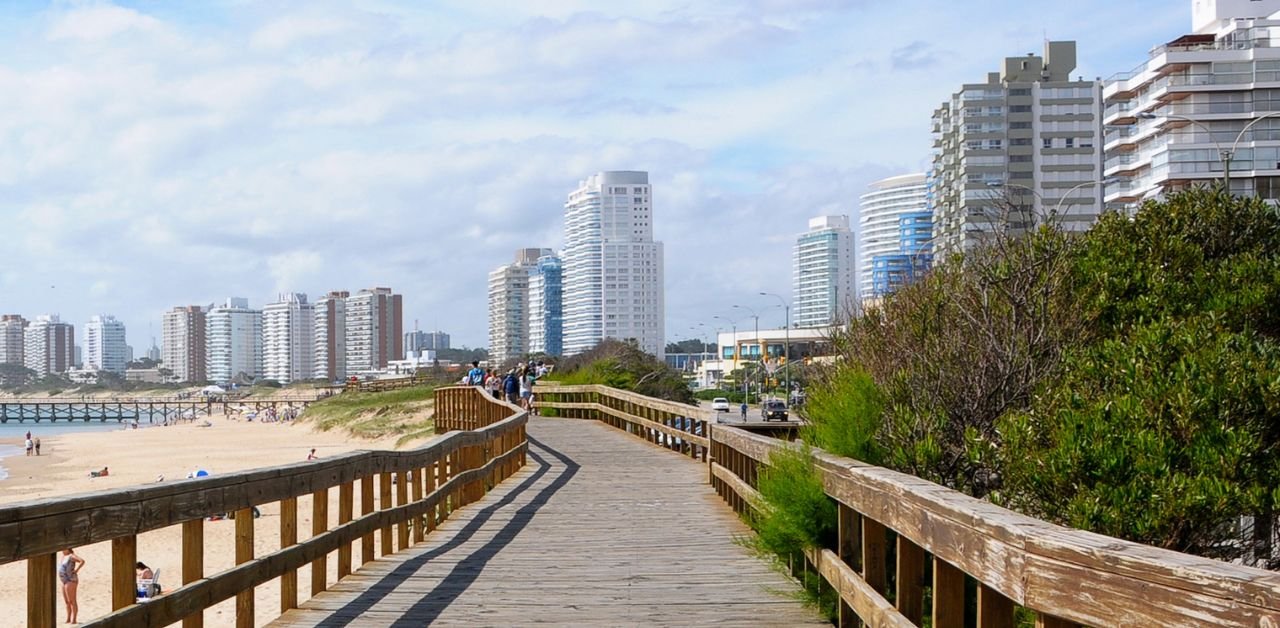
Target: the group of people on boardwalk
pixel 516 385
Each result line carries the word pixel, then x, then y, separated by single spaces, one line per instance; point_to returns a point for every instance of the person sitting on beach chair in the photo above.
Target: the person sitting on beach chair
pixel 148 581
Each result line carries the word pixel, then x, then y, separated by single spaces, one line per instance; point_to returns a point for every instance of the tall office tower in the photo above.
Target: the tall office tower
pixel 331 337
pixel 48 345
pixel 374 330
pixel 234 342
pixel 546 303
pixel 508 306
pixel 436 340
pixel 1169 121
pixel 1012 150
pixel 823 273
pixel 895 227
pixel 12 328
pixel 613 269
pixel 182 333
pixel 105 348
pixel 289 339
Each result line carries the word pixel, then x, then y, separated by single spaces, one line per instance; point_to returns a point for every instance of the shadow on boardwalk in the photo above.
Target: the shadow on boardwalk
pixel 465 572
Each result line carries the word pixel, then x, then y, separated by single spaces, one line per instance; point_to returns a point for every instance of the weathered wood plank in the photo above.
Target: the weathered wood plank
pixel 41 587
pixel 124 556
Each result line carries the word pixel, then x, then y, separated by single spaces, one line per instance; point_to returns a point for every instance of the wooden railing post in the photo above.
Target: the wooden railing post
pixel 910 580
pixel 402 498
pixel 244 554
pixel 346 497
pixel 847 544
pixel 193 563
pixel 366 507
pixel 42 591
pixel 319 525
pixel 124 583
pixel 994 610
pixel 384 503
pixel 432 472
pixel 948 595
pixel 874 540
pixel 288 537
pixel 419 474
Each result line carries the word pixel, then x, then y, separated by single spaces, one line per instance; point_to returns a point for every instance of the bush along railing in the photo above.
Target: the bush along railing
pixel 390 383
pixel 908 552
pixel 485 445
pixel 675 426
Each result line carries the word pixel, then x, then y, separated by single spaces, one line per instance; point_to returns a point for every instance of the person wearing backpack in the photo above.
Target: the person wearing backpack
pixel 475 377
pixel 511 386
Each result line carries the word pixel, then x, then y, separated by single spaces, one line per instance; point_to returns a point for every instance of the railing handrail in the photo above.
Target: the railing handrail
pixel 485 442
pixel 1062 573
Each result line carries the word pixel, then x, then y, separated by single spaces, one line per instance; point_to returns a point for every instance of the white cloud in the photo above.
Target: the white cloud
pixel 189 152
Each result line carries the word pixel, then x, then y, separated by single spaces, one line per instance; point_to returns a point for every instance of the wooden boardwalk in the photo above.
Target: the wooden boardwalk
pixel 599 529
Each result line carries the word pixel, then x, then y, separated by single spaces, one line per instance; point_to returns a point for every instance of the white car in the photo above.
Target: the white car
pixel 720 404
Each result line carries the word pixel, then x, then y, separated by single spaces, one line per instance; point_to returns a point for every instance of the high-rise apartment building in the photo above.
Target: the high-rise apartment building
pixel 182 348
pixel 895 228
pixel 1010 151
pixel 508 306
pixel 613 269
pixel 331 337
pixel 49 345
pixel 417 341
pixel 823 272
pixel 546 306
pixel 105 348
pixel 233 342
pixel 12 342
pixel 374 330
pixel 1215 90
pixel 289 339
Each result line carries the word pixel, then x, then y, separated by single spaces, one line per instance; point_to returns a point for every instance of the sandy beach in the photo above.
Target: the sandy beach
pixel 141 456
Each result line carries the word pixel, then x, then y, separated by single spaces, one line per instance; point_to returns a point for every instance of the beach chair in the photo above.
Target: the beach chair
pixel 149 588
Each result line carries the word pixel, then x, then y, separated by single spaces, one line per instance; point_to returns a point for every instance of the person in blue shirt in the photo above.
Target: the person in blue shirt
pixel 511 386
pixel 475 376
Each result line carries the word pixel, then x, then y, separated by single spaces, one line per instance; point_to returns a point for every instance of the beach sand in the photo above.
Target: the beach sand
pixel 138 457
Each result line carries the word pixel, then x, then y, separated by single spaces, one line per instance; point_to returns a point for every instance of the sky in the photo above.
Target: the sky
pixel 155 154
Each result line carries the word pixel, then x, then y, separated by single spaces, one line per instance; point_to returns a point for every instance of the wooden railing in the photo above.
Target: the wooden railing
pixel 485 445
pixel 904 539
pixel 675 426
pixel 389 383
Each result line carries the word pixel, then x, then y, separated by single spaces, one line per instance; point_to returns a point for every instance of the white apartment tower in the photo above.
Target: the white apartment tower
pixel 183 343
pixel 105 348
pixel 823 273
pixel 895 227
pixel 1171 122
pixel 331 337
pixel 234 342
pixel 288 339
pixel 374 330
pixel 1010 151
pixel 49 345
pixel 12 329
pixel 613 269
pixel 509 306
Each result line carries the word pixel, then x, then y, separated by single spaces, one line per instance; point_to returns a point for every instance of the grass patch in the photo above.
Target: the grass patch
pixel 406 413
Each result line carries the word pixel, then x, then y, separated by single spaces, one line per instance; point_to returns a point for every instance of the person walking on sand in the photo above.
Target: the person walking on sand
pixel 30 445
pixel 312 455
pixel 69 567
pixel 37 445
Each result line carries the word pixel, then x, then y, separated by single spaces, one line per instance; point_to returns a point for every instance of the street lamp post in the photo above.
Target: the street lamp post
pixel 1224 155
pixel 786 351
pixel 755 316
pixel 734 325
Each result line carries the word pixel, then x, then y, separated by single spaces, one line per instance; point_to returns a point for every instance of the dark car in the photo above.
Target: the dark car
pixel 774 409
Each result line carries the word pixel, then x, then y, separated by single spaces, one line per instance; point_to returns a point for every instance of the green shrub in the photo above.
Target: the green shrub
pixel 796 513
pixel 845 414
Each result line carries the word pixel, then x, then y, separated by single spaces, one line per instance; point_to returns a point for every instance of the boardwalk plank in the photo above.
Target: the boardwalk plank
pixel 598 529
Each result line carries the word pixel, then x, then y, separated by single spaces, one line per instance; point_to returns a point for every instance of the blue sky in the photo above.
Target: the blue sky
pixel 154 154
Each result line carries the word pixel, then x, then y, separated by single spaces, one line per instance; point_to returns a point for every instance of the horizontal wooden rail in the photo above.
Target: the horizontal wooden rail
pixel 1067 577
pixel 485 445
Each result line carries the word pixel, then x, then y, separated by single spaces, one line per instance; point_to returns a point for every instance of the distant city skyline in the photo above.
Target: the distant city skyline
pixel 259 149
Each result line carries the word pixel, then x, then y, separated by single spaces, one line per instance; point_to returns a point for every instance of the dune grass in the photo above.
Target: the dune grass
pixel 406 413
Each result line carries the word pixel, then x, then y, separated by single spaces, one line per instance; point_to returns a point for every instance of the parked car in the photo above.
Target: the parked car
pixel 720 404
pixel 774 409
